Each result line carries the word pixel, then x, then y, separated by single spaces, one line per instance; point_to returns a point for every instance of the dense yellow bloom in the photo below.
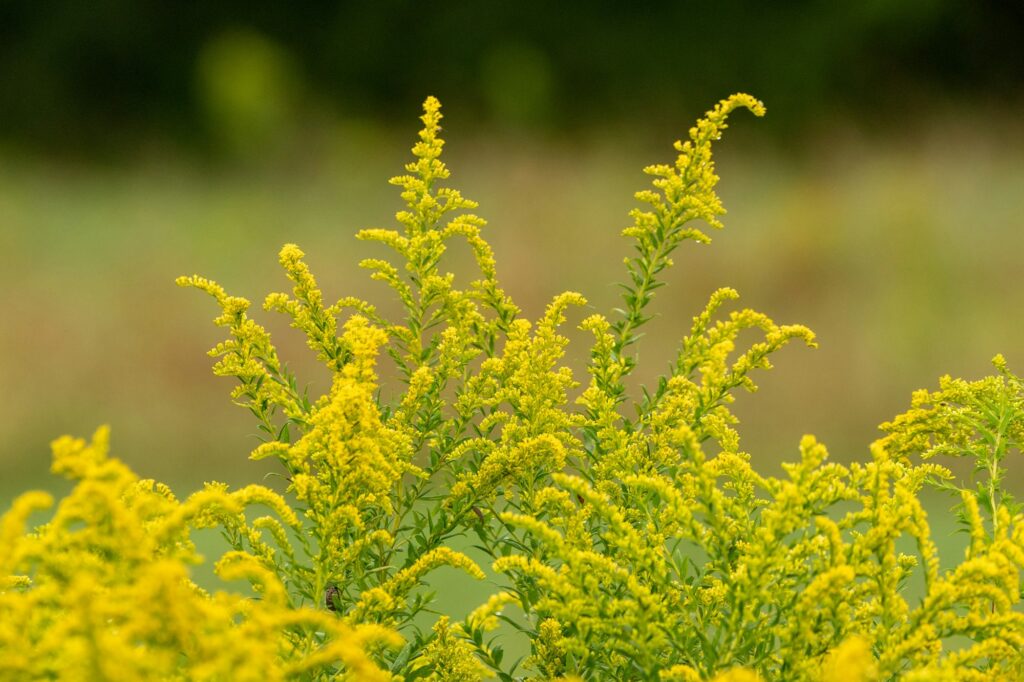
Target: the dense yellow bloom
pixel 851 661
pixel 355 456
pixel 103 592
pixel 631 536
pixel 449 657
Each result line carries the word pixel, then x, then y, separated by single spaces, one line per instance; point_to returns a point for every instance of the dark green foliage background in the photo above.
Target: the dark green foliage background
pixel 81 74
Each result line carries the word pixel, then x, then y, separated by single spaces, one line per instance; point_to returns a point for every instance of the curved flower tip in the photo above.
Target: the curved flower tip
pixel 742 99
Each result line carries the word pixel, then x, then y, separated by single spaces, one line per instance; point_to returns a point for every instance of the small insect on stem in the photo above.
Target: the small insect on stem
pixel 479 514
pixel 330 598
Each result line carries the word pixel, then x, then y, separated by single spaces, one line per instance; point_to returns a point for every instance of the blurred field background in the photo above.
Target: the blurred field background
pixel 881 202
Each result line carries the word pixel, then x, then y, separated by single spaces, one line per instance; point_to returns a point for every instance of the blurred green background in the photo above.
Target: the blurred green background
pixel 881 202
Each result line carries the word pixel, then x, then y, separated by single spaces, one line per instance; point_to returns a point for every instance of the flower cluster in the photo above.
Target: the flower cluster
pixel 102 591
pixel 629 536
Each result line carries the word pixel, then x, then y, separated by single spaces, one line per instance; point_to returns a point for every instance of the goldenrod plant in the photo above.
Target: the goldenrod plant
pixel 103 592
pixel 627 533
